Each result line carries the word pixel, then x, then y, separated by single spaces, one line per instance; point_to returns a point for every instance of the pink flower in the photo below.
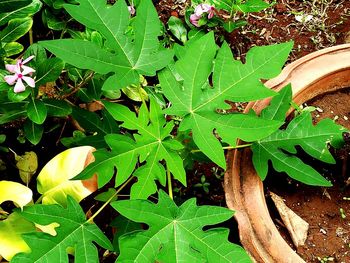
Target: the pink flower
pixel 204 8
pixel 19 75
pixel 199 11
pixel 131 9
pixel 194 19
pixel 20 63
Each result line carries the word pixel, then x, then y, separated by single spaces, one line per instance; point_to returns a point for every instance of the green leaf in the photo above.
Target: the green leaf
pixel 36 111
pixel 73 231
pixel 57 108
pixel 251 6
pixel 12 115
pixel 187 87
pixel 178 29
pixel 15 29
pixel 33 131
pixel 248 6
pixel 22 197
pixel 132 55
pixel 152 144
pixel 11 241
pixel 12 48
pixel 230 25
pixel 279 105
pixel 123 226
pixel 17 97
pixel 53 22
pixel 92 91
pixel 91 122
pixel 20 11
pixel 10 5
pixel 279 147
pixel 48 70
pixel 38 52
pixel 175 234
pixel 54 179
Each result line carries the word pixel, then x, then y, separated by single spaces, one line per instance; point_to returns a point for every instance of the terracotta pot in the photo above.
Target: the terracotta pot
pixel 320 72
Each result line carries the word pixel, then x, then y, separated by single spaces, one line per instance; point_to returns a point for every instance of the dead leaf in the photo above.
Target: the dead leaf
pixel 296 226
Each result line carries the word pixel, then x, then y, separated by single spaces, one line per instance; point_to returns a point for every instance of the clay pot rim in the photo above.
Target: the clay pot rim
pixel 244 190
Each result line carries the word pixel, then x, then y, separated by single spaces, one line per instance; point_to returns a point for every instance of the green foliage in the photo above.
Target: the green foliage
pixel 18 16
pixel 132 55
pixel 73 232
pixel 280 147
pixel 248 6
pixel 175 233
pixel 177 28
pixel 152 144
pixel 187 87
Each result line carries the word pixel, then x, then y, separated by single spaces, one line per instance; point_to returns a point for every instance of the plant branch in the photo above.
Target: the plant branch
pixel 110 199
pixel 227 147
pixel 170 187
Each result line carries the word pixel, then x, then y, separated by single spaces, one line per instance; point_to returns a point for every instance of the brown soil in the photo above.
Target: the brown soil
pixel 329 233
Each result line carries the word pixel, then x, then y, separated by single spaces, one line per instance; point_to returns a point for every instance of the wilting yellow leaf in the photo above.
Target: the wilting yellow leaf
pixel 27 165
pixel 53 180
pixel 11 241
pixel 15 192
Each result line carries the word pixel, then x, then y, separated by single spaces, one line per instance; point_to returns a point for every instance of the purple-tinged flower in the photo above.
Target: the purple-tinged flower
pixel 132 10
pixel 204 8
pixel 199 11
pixel 19 75
pixel 194 20
pixel 20 64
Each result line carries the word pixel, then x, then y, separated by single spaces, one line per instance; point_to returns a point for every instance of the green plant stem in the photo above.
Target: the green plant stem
pixel 170 187
pixel 31 41
pixel 110 199
pixel 227 147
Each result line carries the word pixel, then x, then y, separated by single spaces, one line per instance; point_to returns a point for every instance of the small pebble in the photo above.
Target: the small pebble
pixel 345 118
pixel 319 109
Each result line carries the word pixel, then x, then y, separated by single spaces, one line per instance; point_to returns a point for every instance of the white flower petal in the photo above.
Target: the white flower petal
pixel 27 70
pixel 27 59
pixel 19 87
pixel 11 68
pixel 11 79
pixel 29 81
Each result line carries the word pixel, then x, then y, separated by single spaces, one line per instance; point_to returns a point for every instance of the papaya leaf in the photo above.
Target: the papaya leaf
pixel 152 144
pixel 54 183
pixel 280 147
pixel 175 234
pixel 73 231
pixel 279 105
pixel 15 192
pixel 130 56
pixel 187 87
pixel 11 241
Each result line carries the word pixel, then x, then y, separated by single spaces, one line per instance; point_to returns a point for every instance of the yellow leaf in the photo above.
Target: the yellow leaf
pixel 15 192
pixel 53 180
pixel 49 229
pixel 27 165
pixel 11 241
